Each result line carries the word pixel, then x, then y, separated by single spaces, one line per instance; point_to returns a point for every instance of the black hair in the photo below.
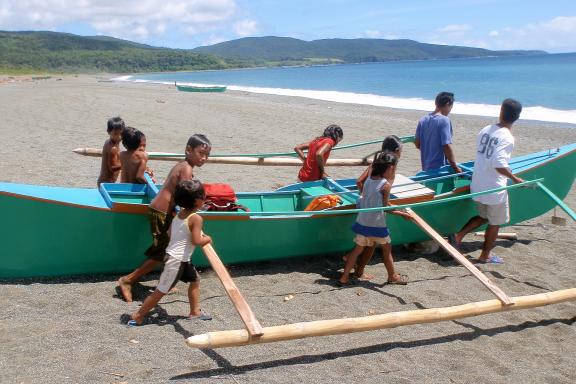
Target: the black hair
pixel 187 192
pixel 131 138
pixel 382 162
pixel 444 98
pixel 511 110
pixel 391 143
pixel 115 123
pixel 198 140
pixel 333 131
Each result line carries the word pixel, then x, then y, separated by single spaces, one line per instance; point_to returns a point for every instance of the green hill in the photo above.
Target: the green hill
pixel 285 49
pixel 63 52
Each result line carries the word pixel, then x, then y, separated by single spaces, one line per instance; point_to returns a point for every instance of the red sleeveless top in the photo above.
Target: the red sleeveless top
pixel 310 170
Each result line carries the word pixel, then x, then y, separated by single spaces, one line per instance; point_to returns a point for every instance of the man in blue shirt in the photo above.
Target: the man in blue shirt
pixel 434 135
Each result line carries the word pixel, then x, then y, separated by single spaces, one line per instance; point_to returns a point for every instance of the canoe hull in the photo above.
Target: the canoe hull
pixel 45 237
pixel 192 88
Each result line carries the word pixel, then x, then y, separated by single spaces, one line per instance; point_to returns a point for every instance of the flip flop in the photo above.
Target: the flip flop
pixel 492 260
pixel 204 316
pixel 133 324
pixel 403 280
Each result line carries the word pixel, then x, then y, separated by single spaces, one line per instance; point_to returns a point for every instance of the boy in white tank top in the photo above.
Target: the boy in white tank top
pixel 186 233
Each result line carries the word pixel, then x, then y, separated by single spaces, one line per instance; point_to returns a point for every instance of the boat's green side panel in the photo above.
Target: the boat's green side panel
pixel 258 239
pixel 45 238
pixel 48 239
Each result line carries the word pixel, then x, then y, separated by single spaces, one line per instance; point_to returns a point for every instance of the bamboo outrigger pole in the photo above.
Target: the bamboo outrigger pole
pixel 240 160
pixel 235 338
pixel 461 259
pixel 253 327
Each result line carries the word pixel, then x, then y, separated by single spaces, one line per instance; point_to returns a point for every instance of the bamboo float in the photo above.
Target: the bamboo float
pixel 264 161
pixel 461 259
pixel 253 327
pixel 502 235
pixel 234 338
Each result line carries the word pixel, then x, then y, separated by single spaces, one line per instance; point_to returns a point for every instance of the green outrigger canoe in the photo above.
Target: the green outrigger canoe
pixel 51 231
pixel 201 88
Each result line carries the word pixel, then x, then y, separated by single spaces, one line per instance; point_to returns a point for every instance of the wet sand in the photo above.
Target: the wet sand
pixel 64 330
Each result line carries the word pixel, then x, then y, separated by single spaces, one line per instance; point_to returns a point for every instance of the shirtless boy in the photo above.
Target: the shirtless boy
pixel 110 167
pixel 134 158
pixel 161 209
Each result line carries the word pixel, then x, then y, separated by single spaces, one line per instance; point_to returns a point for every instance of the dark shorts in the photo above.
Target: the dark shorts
pixel 175 270
pixel 159 225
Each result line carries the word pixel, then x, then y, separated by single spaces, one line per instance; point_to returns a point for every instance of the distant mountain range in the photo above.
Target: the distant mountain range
pixel 286 49
pixel 63 52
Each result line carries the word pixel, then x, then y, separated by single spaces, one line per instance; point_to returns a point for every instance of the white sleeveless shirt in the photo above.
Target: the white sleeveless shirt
pixel 180 246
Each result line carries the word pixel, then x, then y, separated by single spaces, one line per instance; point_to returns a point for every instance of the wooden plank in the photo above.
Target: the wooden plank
pixel 252 324
pixel 461 259
pixel 405 187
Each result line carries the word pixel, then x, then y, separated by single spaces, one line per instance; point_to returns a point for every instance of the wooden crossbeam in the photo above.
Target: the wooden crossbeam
pixel 252 324
pixel 460 258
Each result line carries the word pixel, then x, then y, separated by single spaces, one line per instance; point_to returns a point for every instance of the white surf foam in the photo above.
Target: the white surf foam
pixel 419 104
pixel 488 110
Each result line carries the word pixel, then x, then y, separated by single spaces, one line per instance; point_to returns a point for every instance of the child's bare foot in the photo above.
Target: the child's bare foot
pixel 125 289
pixel 364 276
pixel 173 291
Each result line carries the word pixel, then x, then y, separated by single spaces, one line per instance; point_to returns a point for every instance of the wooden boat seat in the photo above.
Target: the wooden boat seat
pixel 409 191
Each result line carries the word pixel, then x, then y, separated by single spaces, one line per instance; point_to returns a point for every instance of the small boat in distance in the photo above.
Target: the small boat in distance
pixel 201 88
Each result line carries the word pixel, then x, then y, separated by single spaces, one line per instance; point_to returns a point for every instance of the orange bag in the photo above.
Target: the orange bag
pixel 324 202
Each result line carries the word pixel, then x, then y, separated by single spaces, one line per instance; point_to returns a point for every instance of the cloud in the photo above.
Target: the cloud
pixel 119 18
pixel 372 34
pixel 455 28
pixel 245 27
pixel 554 35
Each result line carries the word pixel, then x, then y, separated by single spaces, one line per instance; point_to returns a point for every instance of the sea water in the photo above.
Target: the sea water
pixel 544 84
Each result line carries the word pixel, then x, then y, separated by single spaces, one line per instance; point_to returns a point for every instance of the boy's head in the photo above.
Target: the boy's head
pixel 189 194
pixel 383 163
pixel 335 132
pixel 197 150
pixel 510 111
pixel 132 139
pixel 392 144
pixel 115 128
pixel 444 102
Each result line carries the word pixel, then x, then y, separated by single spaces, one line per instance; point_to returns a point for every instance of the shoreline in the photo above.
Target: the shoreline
pixel 68 329
pixel 538 114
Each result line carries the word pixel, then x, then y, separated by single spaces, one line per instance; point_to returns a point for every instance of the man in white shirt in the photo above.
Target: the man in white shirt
pixel 494 146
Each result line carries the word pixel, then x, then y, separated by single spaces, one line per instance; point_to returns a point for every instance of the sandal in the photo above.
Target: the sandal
pixel 204 316
pixel 402 280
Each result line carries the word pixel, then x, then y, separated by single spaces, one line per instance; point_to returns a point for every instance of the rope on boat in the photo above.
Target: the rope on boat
pixel 525 184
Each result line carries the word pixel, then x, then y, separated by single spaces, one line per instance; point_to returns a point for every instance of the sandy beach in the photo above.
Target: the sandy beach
pixel 68 330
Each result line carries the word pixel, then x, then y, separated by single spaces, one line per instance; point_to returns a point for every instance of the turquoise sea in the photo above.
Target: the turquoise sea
pixel 544 84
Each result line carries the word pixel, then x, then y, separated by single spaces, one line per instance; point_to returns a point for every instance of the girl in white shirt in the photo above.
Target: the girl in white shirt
pixel 185 234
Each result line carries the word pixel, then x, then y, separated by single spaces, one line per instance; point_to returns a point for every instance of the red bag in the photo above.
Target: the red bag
pixel 221 197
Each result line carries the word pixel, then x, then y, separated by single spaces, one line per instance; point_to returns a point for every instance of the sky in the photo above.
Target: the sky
pixel 492 24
